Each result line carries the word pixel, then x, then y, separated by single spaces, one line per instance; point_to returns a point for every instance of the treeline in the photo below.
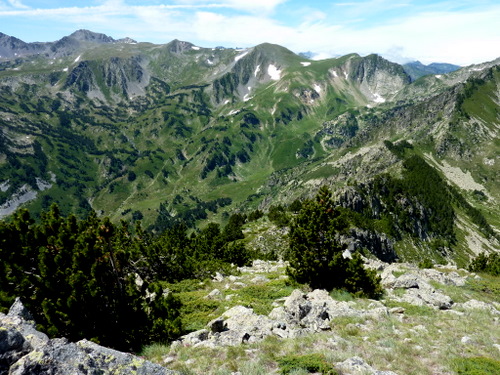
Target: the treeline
pixel 93 279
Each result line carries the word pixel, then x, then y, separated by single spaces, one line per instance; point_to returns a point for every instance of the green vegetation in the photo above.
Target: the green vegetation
pixel 311 363
pixel 92 279
pixel 486 263
pixel 476 366
pixel 316 255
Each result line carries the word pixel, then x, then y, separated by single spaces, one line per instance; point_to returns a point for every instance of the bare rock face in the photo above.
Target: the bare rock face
pixel 25 351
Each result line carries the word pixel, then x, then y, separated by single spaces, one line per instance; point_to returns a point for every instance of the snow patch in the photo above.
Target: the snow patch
pixel 274 72
pixel 317 88
pixel 233 112
pixel 346 75
pixel 257 70
pixel 210 62
pixel 78 58
pixel 247 97
pixel 227 101
pixel 335 74
pixel 378 98
pixel 65 69
pixel 195 48
pixel 240 56
pixel 305 63
pixel 439 76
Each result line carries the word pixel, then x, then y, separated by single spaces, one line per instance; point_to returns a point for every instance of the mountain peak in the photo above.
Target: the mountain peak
pixel 179 46
pixel 90 36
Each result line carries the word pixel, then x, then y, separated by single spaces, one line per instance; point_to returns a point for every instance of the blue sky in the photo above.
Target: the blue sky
pixel 459 32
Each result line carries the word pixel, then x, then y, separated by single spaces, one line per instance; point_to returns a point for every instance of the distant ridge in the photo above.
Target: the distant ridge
pixel 416 69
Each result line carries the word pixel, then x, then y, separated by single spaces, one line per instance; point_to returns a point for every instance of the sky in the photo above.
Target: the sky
pixel 458 31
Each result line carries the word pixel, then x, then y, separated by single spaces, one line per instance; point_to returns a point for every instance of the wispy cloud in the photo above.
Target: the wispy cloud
pixel 17 4
pixel 244 5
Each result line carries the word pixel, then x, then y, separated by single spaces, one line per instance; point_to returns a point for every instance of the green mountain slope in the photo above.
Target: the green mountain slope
pixel 173 132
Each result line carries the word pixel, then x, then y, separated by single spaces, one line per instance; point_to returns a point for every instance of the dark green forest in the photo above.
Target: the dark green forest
pixel 94 279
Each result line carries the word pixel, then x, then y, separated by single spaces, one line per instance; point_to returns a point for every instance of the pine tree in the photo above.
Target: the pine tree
pixel 316 254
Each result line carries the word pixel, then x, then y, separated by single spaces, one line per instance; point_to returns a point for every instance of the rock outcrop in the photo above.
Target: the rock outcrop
pixel 24 351
pixel 300 314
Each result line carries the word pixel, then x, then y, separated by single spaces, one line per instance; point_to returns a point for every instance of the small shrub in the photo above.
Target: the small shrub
pixel 476 366
pixel 486 263
pixel 309 362
pixel 316 255
pixel 426 263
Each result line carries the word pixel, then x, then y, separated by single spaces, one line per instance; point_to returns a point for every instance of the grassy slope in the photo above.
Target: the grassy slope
pixel 419 341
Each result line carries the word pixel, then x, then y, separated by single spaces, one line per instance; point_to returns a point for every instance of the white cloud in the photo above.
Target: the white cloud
pixel 456 37
pixel 17 4
pixel 252 6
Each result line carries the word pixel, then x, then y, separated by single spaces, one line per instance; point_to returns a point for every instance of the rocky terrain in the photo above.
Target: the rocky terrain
pixel 427 319
pixel 25 351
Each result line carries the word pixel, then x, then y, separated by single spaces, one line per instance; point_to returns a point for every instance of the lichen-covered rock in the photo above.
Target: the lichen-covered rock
pixel 25 351
pixel 300 314
pixel 479 305
pixel 429 297
pixel 13 346
pixel 356 366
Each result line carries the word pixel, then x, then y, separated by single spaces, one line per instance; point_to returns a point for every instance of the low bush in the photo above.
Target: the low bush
pixel 476 366
pixel 312 363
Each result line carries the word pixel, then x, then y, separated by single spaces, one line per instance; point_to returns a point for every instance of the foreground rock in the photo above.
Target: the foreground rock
pixel 356 366
pixel 24 350
pixel 300 314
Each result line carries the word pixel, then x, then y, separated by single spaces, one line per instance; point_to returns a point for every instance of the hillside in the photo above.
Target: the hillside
pixel 179 133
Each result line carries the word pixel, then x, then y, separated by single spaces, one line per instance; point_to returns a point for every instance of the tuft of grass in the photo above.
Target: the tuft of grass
pixel 154 352
pixel 486 288
pixel 341 295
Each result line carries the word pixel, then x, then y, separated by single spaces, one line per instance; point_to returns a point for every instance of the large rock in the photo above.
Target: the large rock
pixel 300 314
pixel 418 289
pixel 25 351
pixel 13 346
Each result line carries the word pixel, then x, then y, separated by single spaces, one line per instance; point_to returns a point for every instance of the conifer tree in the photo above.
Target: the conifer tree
pixel 316 254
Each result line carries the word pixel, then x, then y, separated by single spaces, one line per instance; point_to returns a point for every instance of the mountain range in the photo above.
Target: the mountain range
pixel 176 132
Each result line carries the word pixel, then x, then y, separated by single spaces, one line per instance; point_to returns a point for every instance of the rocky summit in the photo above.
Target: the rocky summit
pixel 427 315
pixel 426 319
